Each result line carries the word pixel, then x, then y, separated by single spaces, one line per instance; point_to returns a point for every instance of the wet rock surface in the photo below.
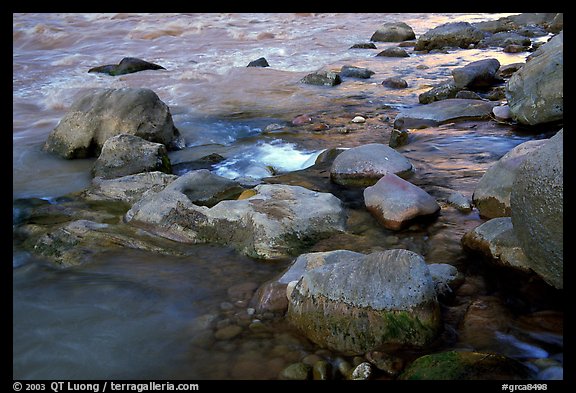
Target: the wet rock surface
pixel 504 315
pixel 96 117
pixel 394 305
pixel 537 208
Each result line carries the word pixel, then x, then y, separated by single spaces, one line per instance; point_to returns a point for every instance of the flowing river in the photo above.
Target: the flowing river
pixel 136 315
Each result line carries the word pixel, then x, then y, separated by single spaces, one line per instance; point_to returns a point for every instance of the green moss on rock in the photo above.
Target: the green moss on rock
pixel 453 365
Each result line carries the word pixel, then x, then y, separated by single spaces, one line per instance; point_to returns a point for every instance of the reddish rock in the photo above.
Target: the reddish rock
pixel 395 201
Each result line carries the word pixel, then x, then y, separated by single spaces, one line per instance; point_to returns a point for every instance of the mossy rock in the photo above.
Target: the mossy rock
pixel 453 365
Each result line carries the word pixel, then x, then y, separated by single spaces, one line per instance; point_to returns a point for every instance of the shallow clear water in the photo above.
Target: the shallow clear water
pixel 131 314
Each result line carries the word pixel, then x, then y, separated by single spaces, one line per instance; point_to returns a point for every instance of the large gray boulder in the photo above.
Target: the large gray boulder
pixel 535 93
pixel 313 260
pixel 387 299
pixel 479 73
pixel 537 203
pixel 394 202
pixel 278 220
pixel 100 115
pixel 492 193
pixel 444 111
pixel 126 154
pixel 393 32
pixel 363 165
pixel 453 34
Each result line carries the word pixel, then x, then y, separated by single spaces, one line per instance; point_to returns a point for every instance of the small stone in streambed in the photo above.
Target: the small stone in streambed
pixel 261 62
pixel 270 128
pixel 311 359
pixel 296 371
pixel 460 202
pixel 395 83
pixel 228 332
pixel 512 48
pixel 390 364
pixel 364 45
pixel 502 112
pixel 301 120
pixel 321 370
pixel 242 291
pixel 398 138
pixel 358 119
pixel 355 72
pixel 393 52
pixel 344 367
pixel 362 372
pixel 468 95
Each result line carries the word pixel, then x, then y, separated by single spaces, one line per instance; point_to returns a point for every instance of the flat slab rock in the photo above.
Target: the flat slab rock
pixel 444 111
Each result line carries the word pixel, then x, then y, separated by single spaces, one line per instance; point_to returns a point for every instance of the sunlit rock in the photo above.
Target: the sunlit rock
pixel 100 115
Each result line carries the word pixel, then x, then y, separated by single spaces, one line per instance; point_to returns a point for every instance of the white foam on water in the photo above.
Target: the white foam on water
pixel 266 159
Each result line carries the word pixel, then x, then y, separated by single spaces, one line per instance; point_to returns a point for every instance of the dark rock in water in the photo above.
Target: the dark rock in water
pixel 398 138
pixel 506 71
pixel 395 82
pixel 355 72
pixel 455 34
pixel 440 92
pixel 322 78
pixel 205 162
pixel 504 39
pixel 467 95
pixel 261 62
pixel 393 32
pixel 441 112
pixel 100 115
pixel 367 45
pixel 453 365
pixel 205 188
pixel 393 52
pixel 479 73
pixel 515 49
pixel 127 65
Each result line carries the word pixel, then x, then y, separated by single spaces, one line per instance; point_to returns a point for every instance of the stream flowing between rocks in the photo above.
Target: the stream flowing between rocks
pixel 129 314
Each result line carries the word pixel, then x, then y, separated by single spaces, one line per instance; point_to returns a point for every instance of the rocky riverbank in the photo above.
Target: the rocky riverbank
pixel 389 267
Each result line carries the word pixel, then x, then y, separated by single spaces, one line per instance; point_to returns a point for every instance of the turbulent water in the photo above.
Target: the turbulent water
pixel 134 315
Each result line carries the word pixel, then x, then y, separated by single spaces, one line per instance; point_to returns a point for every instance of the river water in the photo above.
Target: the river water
pixel 130 314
